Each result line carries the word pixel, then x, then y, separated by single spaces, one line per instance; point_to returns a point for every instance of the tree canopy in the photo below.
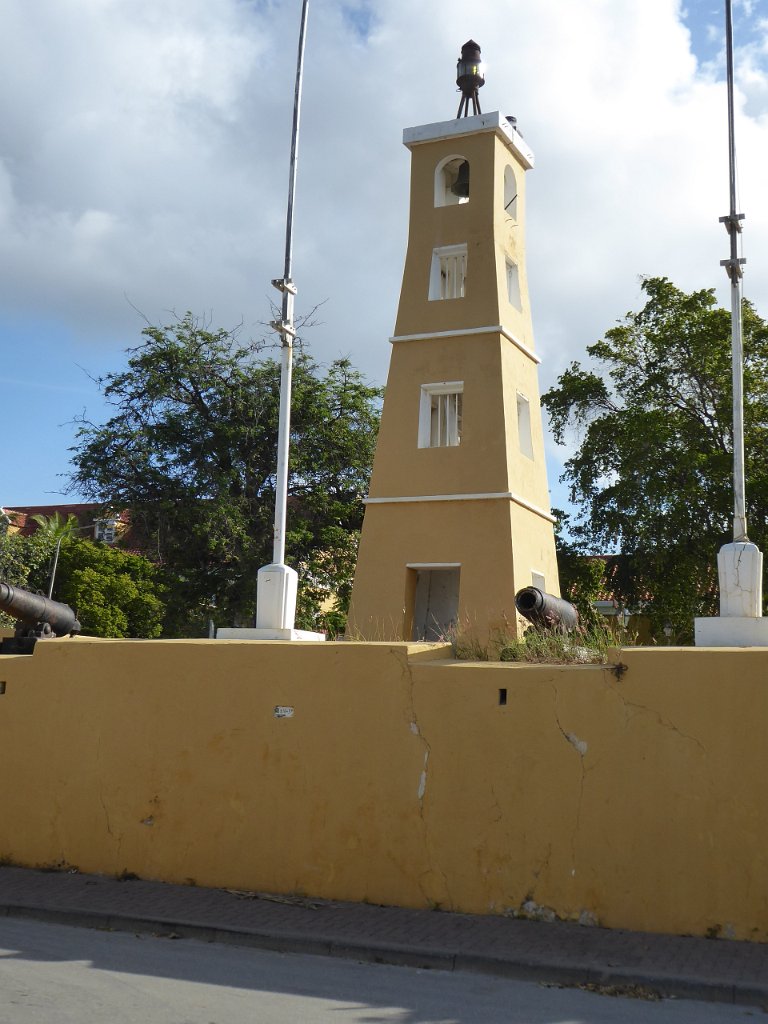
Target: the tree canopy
pixel 114 593
pixel 651 430
pixel 24 561
pixel 191 453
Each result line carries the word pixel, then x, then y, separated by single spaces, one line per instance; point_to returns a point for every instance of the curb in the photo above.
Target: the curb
pixel 551 972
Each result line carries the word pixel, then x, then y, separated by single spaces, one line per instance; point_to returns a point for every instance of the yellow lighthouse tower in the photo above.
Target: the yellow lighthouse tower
pixel 458 519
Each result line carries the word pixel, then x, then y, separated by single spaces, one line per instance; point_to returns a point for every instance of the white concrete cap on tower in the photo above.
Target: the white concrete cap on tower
pixel 471 125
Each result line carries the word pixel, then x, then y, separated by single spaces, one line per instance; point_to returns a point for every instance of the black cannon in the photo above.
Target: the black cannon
pixel 38 618
pixel 545 610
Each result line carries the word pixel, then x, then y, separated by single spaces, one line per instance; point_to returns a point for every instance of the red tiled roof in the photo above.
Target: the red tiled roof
pixel 86 513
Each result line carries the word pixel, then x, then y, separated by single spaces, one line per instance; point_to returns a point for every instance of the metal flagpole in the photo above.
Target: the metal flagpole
pixel 733 267
pixel 276 597
pixel 285 326
pixel 740 563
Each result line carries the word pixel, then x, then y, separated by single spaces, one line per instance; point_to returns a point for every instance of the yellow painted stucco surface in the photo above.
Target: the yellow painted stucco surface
pixel 498 530
pixel 439 532
pixel 399 778
pixel 483 224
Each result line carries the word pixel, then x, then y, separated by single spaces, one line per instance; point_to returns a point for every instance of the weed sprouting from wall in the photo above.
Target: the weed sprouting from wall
pixel 584 646
pixel 581 647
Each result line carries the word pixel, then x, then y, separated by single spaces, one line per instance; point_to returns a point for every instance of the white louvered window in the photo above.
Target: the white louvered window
pixel 449 271
pixel 445 421
pixel 106 530
pixel 440 414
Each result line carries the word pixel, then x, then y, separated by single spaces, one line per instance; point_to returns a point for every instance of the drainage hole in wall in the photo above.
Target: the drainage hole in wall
pixel 502 698
pixel 2 687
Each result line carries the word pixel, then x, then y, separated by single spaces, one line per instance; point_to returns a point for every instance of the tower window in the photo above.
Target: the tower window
pixel 448 272
pixel 524 426
pixel 452 181
pixel 440 412
pixel 510 193
pixel 513 285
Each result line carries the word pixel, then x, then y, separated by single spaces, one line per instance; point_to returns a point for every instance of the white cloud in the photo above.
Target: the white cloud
pixel 144 152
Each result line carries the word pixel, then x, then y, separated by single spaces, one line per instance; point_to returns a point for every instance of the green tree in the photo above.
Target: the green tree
pixel 56 527
pixel 582 579
pixel 191 452
pixel 651 474
pixel 24 562
pixel 114 593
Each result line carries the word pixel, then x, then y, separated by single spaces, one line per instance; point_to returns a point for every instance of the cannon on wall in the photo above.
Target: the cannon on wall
pixel 38 618
pixel 545 610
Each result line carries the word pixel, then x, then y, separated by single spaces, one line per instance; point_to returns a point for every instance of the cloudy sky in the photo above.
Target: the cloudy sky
pixel 143 167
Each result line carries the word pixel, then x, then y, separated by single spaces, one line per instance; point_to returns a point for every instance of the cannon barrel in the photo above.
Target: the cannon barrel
pixel 546 610
pixel 34 612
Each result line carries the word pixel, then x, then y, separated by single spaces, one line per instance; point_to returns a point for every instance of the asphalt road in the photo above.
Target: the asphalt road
pixel 55 974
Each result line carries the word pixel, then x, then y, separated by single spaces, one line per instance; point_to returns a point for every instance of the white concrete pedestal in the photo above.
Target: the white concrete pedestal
pixel 245 633
pixel 741 622
pixel 731 631
pixel 740 575
pixel 276 598
pixel 275 609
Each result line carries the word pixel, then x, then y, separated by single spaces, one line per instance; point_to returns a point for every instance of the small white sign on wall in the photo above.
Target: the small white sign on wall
pixel 282 711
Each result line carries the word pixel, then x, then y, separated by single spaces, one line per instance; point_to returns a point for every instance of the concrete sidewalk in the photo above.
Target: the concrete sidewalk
pixel 559 953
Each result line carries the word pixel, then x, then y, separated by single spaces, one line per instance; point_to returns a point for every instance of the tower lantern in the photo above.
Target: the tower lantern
pixel 469 78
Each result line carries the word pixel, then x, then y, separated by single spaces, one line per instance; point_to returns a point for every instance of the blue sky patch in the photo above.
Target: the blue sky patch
pixel 705 20
pixel 360 18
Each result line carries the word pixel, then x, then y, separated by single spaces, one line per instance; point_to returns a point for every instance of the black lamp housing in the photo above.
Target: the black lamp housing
pixel 469 78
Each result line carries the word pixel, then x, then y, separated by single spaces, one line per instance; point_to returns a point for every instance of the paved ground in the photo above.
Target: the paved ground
pixel 568 954
pixel 53 972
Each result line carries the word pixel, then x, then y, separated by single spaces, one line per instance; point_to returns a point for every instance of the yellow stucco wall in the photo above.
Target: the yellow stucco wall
pixel 400 779
pixel 439 533
pixel 490 233
pixel 498 541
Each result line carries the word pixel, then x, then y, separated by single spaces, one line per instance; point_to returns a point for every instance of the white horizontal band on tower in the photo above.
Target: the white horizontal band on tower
pixel 498 329
pixel 489 496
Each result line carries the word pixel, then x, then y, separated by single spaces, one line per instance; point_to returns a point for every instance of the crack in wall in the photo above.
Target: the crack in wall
pixel 663 722
pixel 581 747
pixel 536 871
pixel 421 789
pixel 102 801
pixel 101 791
pixel 543 865
pixel 499 813
pixel 423 782
pixel 415 729
pixel 106 815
